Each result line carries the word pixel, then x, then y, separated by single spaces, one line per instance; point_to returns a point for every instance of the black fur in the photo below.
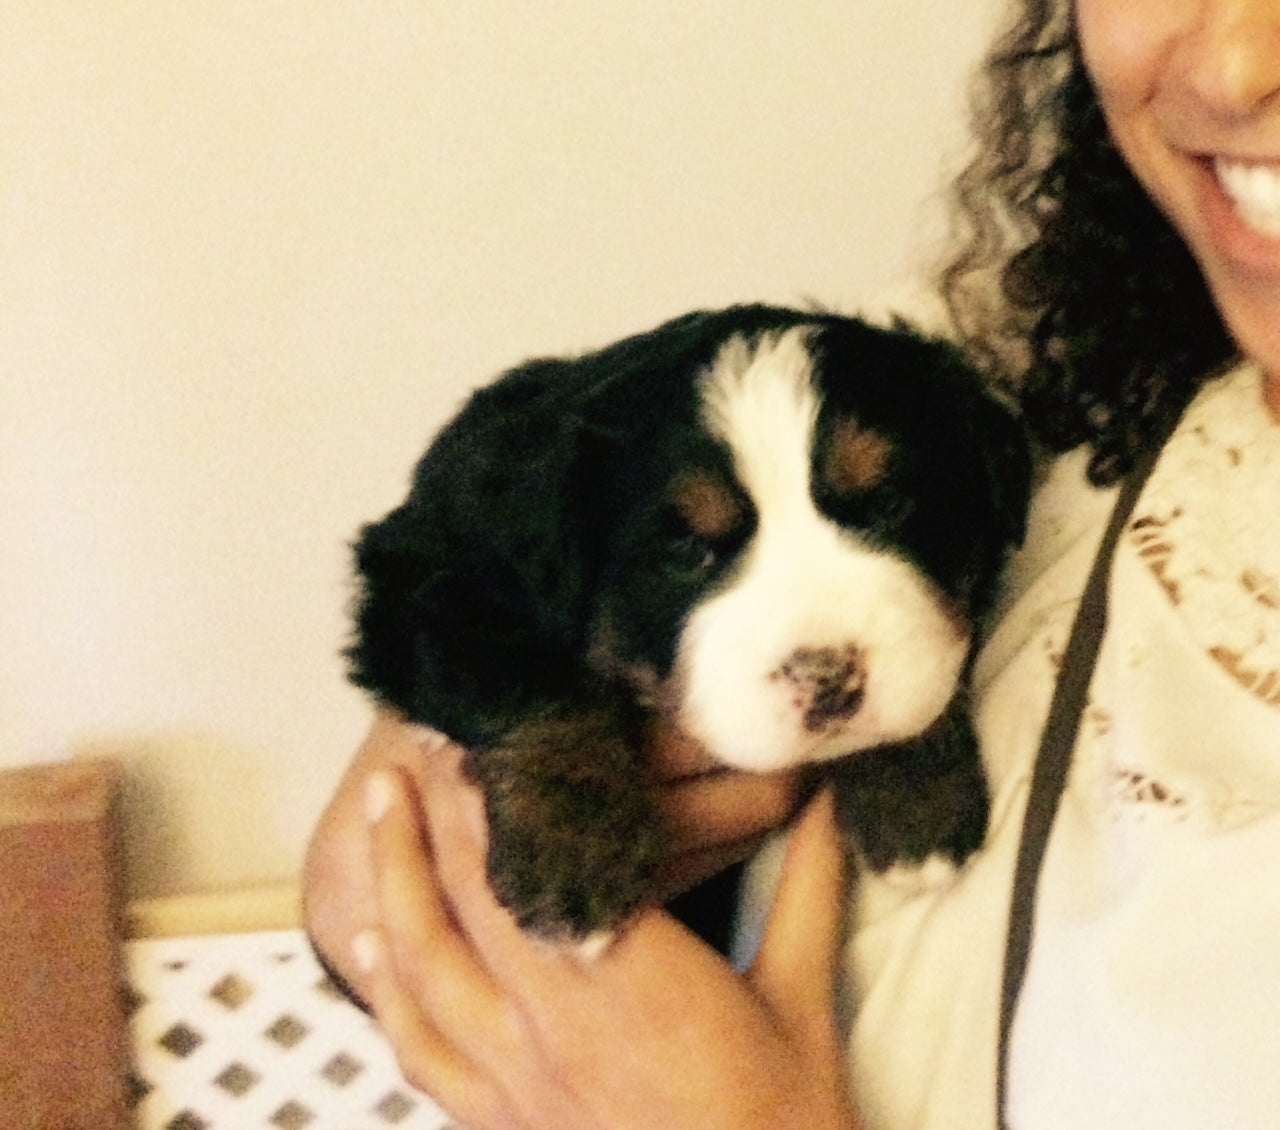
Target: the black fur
pixel 535 567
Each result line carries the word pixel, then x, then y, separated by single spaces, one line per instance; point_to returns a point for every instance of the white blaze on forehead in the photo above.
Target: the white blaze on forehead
pixel 804 583
pixel 755 395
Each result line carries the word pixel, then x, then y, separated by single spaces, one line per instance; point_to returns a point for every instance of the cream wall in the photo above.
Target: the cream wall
pixel 252 252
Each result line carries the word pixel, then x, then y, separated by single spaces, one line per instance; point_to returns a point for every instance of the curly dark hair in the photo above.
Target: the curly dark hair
pixel 1068 284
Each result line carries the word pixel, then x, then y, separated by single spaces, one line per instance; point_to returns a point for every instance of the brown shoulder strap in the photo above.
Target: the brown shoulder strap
pixel 1053 760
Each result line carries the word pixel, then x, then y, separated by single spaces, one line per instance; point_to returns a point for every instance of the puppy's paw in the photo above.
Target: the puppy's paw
pixel 905 803
pixel 571 888
pixel 574 843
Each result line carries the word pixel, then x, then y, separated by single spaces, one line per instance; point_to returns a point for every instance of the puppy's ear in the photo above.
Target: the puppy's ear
pixel 471 607
pixel 991 429
pixel 1002 440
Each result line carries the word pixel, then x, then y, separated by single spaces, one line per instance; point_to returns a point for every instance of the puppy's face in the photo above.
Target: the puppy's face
pixel 802 582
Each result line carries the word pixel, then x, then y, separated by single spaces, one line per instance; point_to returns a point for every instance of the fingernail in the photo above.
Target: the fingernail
pixel 364 950
pixel 378 795
pixel 428 738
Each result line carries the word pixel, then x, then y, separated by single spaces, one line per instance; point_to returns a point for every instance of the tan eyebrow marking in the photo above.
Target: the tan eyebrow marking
pixel 857 457
pixel 707 504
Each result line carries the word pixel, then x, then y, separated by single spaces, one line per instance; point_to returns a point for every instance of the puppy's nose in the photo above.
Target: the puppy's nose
pixel 828 683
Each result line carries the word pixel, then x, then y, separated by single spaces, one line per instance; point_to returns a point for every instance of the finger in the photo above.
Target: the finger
pixel 340 896
pixel 434 982
pixel 674 753
pixel 797 965
pixel 682 873
pixel 455 814
pixel 426 1058
pixel 534 974
pixel 533 979
pixel 557 993
pixel 723 808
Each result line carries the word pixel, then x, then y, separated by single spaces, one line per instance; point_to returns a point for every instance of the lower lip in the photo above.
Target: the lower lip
pixel 1243 245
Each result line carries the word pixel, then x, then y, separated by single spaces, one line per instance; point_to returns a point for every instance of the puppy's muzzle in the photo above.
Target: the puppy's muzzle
pixel 828 683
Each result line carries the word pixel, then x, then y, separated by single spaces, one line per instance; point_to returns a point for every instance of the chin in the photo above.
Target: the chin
pixel 779 529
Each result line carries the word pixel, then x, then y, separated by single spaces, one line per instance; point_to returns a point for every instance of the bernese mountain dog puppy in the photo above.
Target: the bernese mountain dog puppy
pixel 777 528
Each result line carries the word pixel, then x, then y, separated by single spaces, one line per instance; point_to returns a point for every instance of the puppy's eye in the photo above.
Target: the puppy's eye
pixel 690 557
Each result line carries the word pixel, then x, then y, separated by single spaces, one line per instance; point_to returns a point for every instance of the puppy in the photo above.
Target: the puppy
pixel 777 528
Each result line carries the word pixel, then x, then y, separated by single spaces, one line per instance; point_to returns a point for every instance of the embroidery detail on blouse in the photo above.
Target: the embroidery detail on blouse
pixel 1209 544
pixel 1156 550
pixel 1144 793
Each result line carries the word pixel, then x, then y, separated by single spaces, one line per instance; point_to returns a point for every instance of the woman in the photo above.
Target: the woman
pixel 1123 250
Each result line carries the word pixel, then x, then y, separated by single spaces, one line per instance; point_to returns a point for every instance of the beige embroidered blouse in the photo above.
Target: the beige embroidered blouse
pixel 1153 995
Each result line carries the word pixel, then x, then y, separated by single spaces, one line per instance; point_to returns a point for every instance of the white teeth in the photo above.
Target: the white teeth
pixel 1255 191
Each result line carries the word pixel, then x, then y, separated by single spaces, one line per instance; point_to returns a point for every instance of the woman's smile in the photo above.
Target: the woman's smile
pixel 1254 189
pixel 1191 93
pixel 1238 231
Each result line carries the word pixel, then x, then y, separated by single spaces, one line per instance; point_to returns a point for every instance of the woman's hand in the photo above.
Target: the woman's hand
pixel 714 818
pixel 506 1032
